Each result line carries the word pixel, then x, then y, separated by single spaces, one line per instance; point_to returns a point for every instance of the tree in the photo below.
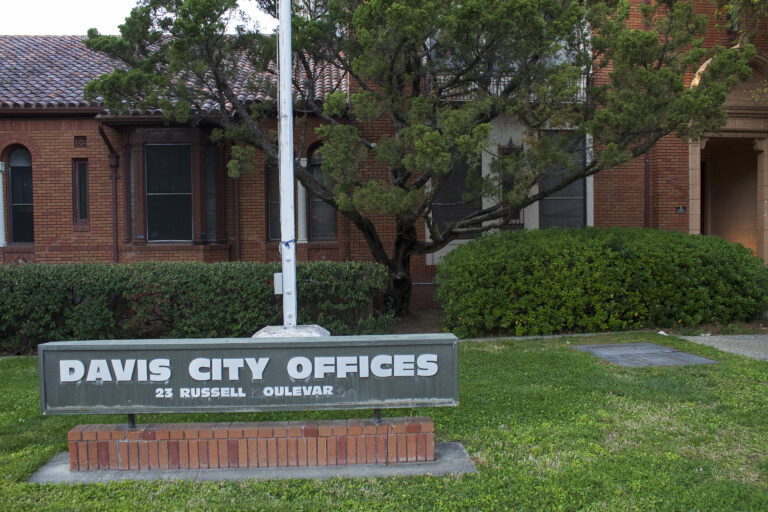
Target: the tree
pixel 744 16
pixel 438 72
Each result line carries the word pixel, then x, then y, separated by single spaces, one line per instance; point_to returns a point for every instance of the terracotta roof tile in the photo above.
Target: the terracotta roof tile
pixel 51 72
pixel 47 71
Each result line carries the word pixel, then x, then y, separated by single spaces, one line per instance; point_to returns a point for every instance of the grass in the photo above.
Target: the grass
pixel 549 428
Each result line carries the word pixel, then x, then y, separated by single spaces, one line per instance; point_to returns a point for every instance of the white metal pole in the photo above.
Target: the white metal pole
pixel 2 206
pixel 287 224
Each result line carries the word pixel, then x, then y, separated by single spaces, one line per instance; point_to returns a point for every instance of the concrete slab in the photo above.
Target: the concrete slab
pixel 299 331
pixel 642 354
pixel 750 345
pixel 450 459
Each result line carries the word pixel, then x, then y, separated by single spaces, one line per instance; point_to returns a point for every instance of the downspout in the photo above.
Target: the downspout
pixel 2 206
pixel 114 162
pixel 647 189
pixel 237 218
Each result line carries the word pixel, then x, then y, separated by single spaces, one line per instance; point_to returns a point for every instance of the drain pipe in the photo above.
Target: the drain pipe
pixel 114 162
pixel 2 206
pixel 647 190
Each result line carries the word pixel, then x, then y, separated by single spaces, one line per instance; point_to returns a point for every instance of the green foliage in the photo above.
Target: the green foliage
pixel 550 281
pixel 43 303
pixel 548 428
pixel 243 159
pixel 335 103
pixel 433 75
pixel 743 16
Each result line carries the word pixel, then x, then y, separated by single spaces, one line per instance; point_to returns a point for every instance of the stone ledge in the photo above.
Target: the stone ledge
pixel 249 445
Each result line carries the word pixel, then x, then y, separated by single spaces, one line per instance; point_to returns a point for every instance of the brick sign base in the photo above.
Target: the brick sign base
pixel 251 445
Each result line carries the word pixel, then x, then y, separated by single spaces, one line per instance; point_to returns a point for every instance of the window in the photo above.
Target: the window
pixel 566 207
pixel 168 192
pixel 22 220
pixel 450 204
pixel 173 189
pixel 80 191
pixel 322 216
pixel 211 191
pixel 273 202
pixel 507 185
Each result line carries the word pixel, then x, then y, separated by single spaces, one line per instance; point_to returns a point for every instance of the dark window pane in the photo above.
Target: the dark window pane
pixel 23 224
pixel 273 198
pixel 82 190
pixel 21 185
pixel 22 218
pixel 210 191
pixel 322 220
pixel 20 158
pixel 169 192
pixel 274 221
pixel 132 192
pixel 565 213
pixel 449 205
pixel 575 189
pixel 169 169
pixel 507 181
pixel 322 216
pixel 566 207
pixel 169 217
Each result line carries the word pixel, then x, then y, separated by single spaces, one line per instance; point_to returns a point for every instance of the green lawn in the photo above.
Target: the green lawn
pixel 549 428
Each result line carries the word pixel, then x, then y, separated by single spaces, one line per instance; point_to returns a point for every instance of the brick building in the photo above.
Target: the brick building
pixel 79 185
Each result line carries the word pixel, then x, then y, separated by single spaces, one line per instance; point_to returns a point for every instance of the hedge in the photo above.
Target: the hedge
pixel 42 303
pixel 589 280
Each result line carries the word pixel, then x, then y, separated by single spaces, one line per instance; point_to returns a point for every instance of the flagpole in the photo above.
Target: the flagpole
pixel 287 222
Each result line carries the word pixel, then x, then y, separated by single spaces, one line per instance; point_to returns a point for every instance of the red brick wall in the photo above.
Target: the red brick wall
pixel 619 193
pixel 51 144
pixel 250 445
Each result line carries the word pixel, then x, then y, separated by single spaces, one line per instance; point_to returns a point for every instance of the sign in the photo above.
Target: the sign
pixel 240 375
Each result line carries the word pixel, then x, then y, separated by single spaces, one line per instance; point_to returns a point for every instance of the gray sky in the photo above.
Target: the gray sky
pixel 75 17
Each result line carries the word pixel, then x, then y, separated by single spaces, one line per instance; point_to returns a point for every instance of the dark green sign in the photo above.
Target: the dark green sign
pixel 339 372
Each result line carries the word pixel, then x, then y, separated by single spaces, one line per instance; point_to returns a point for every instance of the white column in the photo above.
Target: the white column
pixel 2 206
pixel 287 225
pixel 590 183
pixel 694 187
pixel 301 213
pixel 531 212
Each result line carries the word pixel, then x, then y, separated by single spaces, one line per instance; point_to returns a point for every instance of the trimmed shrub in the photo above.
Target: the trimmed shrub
pixel 42 303
pixel 588 280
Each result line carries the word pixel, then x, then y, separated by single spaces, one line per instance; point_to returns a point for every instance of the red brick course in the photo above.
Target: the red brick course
pixel 242 445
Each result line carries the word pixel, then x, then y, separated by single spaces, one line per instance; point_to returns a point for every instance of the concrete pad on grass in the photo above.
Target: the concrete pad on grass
pixel 450 459
pixel 642 354
pixel 750 345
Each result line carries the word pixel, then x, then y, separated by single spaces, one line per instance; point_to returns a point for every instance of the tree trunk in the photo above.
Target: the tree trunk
pixel 400 281
pixel 400 284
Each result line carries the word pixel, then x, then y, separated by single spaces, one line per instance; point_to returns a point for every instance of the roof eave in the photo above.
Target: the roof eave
pixel 47 111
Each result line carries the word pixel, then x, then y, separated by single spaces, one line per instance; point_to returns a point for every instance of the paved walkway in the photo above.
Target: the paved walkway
pixel 751 345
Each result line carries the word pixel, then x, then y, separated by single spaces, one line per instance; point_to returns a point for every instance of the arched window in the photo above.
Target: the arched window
pixel 22 223
pixel 322 216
